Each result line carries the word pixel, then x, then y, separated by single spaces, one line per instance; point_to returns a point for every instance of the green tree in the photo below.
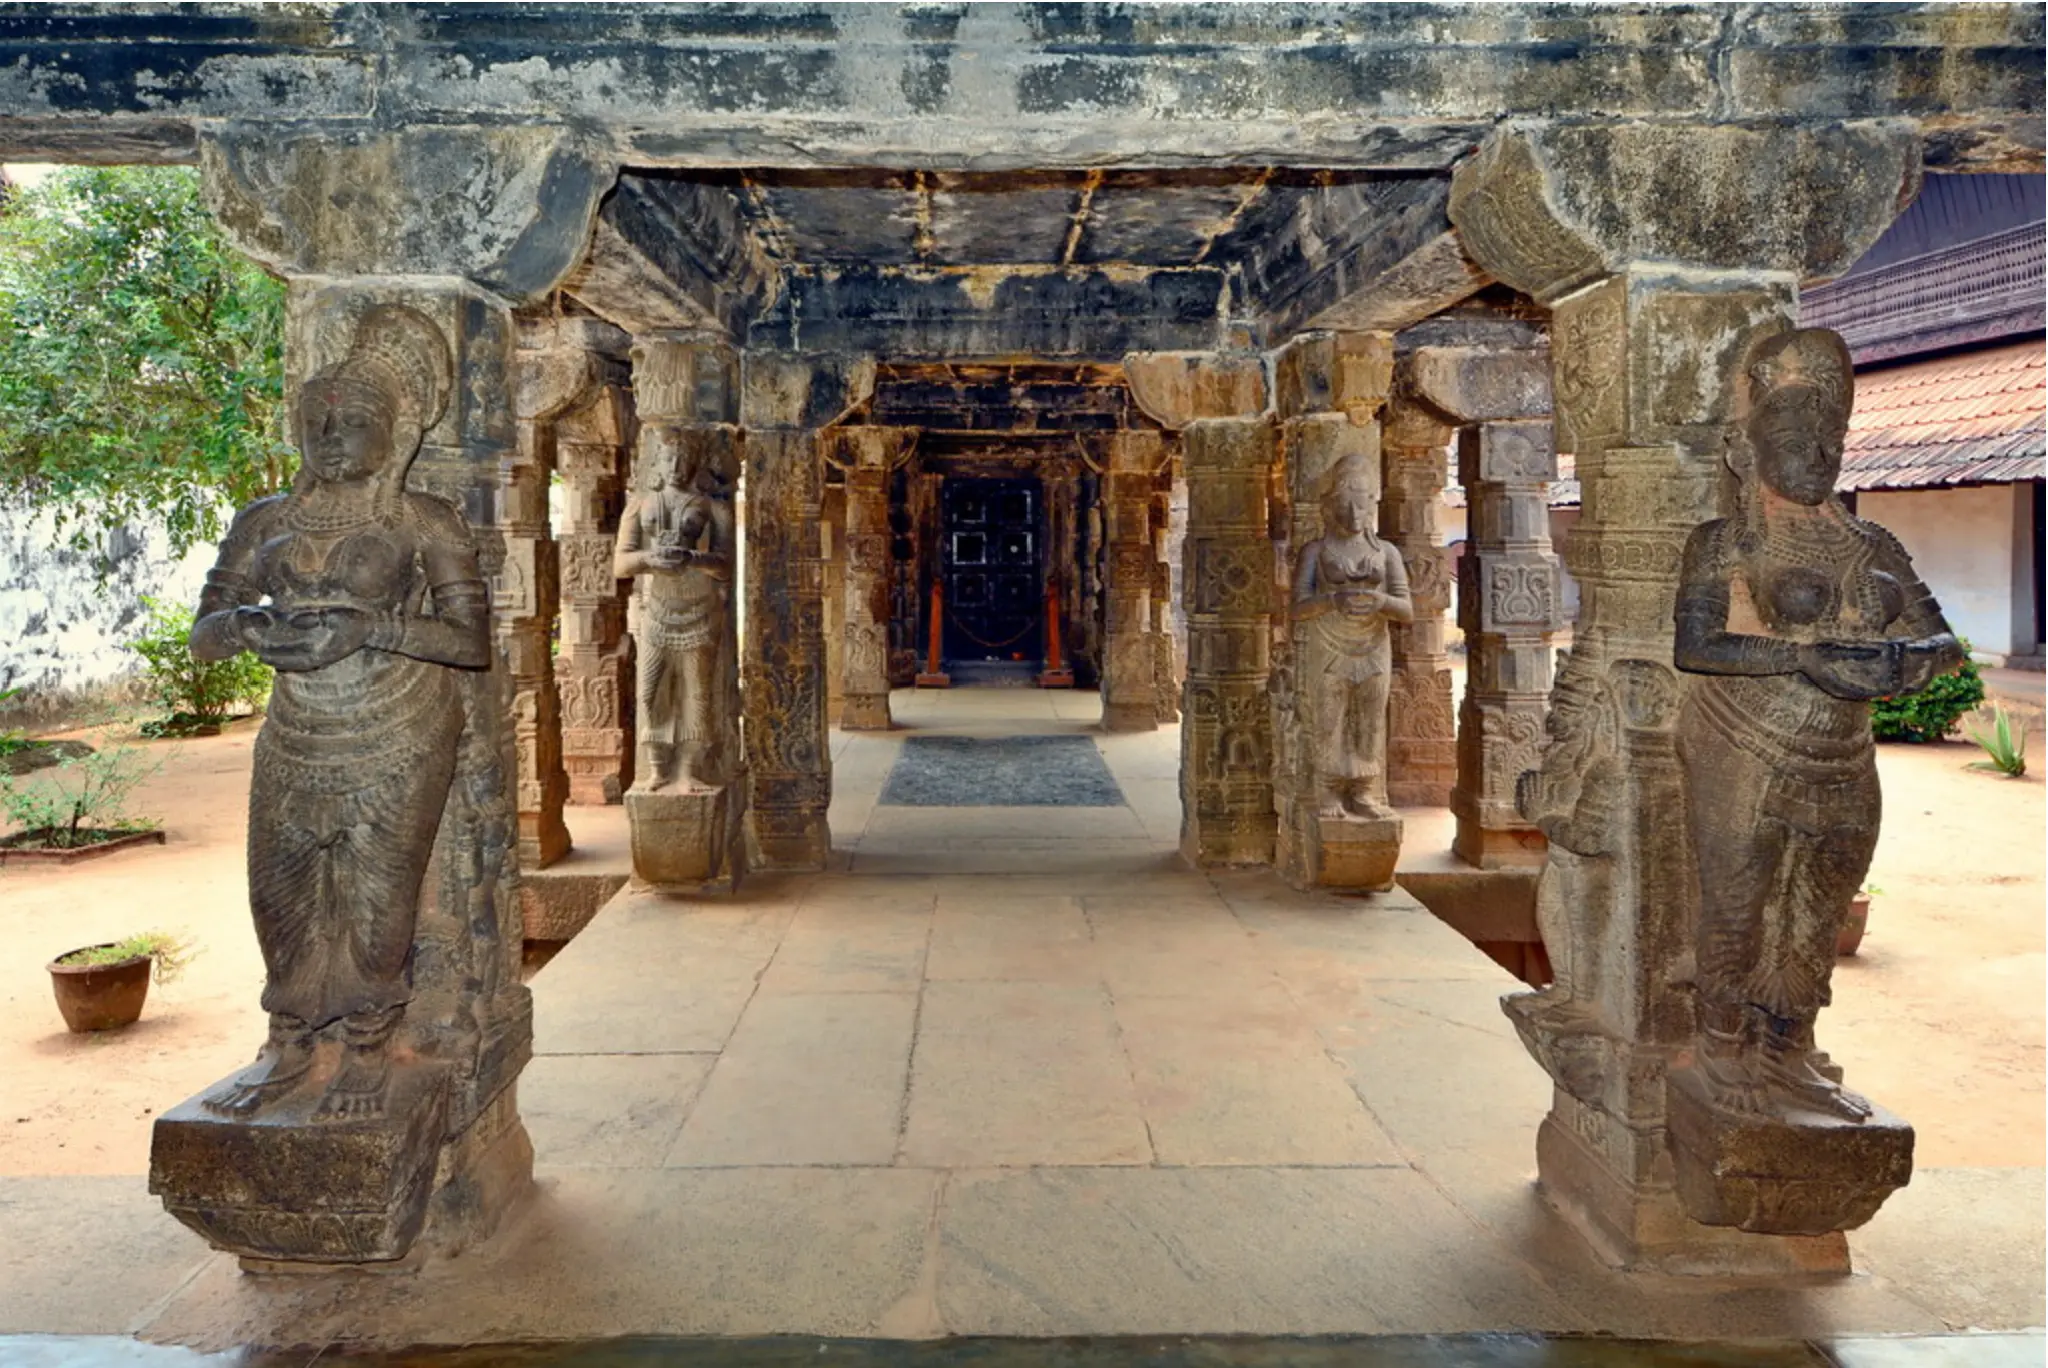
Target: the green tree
pixel 141 357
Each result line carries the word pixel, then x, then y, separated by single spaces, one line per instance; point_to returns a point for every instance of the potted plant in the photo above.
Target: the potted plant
pixel 102 987
pixel 77 810
pixel 1857 922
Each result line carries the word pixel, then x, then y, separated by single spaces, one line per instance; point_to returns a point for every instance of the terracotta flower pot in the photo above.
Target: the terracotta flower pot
pixel 100 997
pixel 1853 925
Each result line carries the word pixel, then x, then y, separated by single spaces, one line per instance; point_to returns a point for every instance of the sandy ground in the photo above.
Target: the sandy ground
pixel 1941 1017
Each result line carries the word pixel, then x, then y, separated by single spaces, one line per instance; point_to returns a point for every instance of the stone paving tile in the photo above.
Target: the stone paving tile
pixel 1170 947
pixel 1009 1073
pixel 598 996
pixel 1963 1242
pixel 762 1251
pixel 608 1111
pixel 1240 1250
pixel 851 949
pixel 1033 938
pixel 102 1254
pixel 808 1078
pixel 1245 1081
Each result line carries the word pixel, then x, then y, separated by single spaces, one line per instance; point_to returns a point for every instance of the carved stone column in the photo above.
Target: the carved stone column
pixel 1329 389
pixel 1130 661
pixel 1663 251
pixel 1422 729
pixel 594 671
pixel 1509 603
pixel 429 1157
pixel 1219 405
pixel 832 565
pixel 686 390
pixel 786 401
pixel 869 456
pixel 545 380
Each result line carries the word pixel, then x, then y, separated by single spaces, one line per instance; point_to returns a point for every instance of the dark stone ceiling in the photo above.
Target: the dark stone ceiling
pixel 923 263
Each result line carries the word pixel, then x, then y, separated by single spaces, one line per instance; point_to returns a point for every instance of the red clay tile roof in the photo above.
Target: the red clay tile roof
pixel 1970 419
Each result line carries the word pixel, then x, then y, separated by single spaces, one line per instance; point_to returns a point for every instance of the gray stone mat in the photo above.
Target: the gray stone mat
pixel 1001 771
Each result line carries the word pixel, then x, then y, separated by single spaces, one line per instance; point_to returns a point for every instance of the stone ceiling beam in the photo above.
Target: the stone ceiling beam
pixel 912 314
pixel 1002 86
pixel 1431 278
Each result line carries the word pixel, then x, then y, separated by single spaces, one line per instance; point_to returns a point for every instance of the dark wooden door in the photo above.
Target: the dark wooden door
pixel 991 552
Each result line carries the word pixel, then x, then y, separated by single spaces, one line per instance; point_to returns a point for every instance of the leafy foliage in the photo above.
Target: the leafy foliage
pixel 2005 744
pixel 141 357
pixel 168 954
pixel 80 800
pixel 1932 713
pixel 196 693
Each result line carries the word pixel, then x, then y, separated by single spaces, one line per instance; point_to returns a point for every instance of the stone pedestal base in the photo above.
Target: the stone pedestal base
pixel 865 712
pixel 1357 854
pixel 934 679
pixel 1130 717
pixel 1485 847
pixel 1062 678
pixel 688 840
pixel 283 1186
pixel 1643 1226
pixel 1806 1174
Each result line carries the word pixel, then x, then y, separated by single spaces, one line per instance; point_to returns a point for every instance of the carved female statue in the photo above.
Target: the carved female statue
pixel 366 597
pixel 1797 613
pixel 676 544
pixel 1348 585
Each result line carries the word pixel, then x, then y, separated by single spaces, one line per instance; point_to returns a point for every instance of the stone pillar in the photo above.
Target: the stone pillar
pixel 432 1158
pixel 529 592
pixel 594 670
pixel 1422 729
pixel 1219 405
pixel 1328 392
pixel 686 389
pixel 1130 662
pixel 787 400
pixel 869 456
pixel 832 562
pixel 1509 602
pixel 1663 251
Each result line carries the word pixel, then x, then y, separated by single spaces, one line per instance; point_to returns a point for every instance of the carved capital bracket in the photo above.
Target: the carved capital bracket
pixel 1174 389
pixel 1550 208
pixel 509 207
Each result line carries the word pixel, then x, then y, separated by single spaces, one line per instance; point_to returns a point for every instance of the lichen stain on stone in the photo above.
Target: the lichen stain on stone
pixel 1077 85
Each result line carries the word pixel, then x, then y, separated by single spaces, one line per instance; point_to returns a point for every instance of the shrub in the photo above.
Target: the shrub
pixel 1932 713
pixel 79 799
pixel 2005 744
pixel 168 954
pixel 195 693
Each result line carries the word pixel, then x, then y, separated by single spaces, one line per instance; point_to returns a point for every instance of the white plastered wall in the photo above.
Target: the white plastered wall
pixel 1973 546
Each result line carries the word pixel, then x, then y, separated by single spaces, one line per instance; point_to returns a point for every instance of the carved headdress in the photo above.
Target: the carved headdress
pixel 1353 467
pixel 1812 358
pixel 400 354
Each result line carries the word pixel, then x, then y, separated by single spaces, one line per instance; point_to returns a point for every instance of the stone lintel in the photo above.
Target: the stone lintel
pixel 802 390
pixel 672 253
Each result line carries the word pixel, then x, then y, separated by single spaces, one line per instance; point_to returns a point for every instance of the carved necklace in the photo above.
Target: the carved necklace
pixel 301 514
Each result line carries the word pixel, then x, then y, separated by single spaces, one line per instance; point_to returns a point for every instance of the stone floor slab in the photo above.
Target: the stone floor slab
pixel 1964 1243
pixel 1009 1073
pixel 808 1078
pixel 88 1255
pixel 1242 1251
pixel 835 948
pixel 1029 939
pixel 1940 1351
pixel 1244 1082
pixel 608 1111
pixel 677 1251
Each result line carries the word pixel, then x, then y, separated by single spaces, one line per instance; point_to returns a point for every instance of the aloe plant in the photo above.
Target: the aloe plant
pixel 2005 744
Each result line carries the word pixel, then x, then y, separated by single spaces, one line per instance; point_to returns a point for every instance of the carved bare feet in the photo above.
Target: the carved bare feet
pixel 356 1093
pixel 1794 1076
pixel 277 1070
pixel 1734 1082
